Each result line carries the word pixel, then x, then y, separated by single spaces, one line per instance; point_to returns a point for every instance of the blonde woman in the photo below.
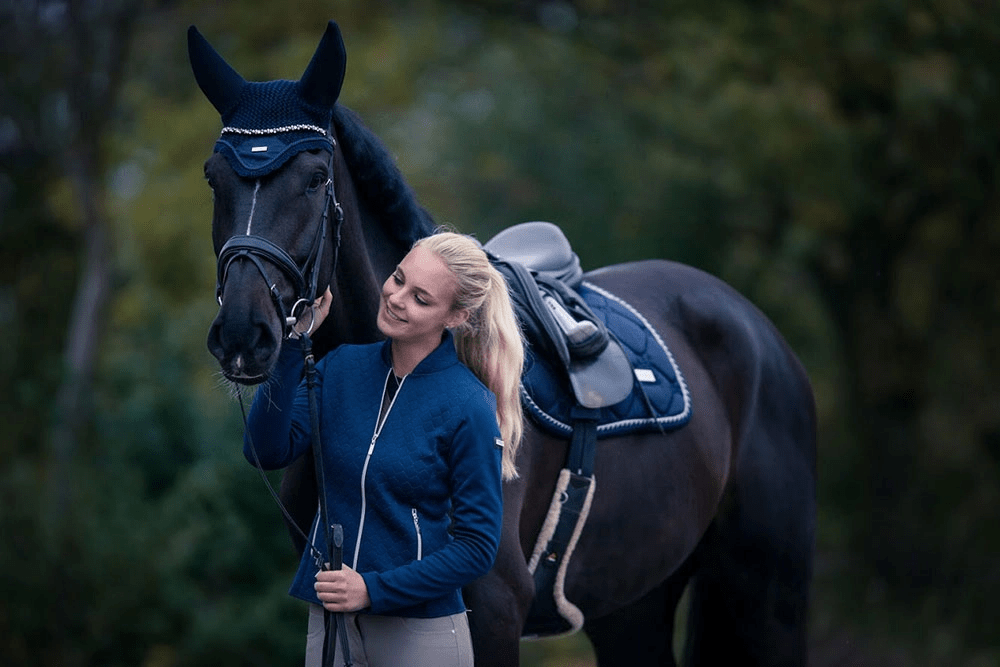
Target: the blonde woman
pixel 418 432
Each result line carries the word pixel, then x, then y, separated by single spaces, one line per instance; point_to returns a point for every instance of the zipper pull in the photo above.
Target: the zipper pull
pixel 416 528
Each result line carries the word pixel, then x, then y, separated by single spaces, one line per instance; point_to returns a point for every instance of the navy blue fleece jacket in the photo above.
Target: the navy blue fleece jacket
pixel 421 506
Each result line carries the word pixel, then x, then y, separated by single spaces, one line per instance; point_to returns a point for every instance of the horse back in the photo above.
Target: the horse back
pixel 750 364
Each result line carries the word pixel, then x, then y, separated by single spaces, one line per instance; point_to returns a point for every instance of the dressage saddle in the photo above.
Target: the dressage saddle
pixel 543 273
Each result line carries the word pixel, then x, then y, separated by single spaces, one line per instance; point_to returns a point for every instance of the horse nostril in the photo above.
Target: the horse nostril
pixel 264 345
pixel 214 341
pixel 244 348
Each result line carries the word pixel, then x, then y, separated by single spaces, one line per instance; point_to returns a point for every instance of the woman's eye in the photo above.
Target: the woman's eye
pixel 419 299
pixel 397 279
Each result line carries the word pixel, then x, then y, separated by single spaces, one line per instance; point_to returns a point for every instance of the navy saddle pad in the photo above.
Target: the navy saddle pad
pixel 659 400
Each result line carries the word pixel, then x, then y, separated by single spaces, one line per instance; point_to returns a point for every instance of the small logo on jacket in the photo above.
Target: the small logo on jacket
pixel 498 442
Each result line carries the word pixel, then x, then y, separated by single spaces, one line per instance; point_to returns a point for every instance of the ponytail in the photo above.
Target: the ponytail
pixel 492 348
pixel 489 342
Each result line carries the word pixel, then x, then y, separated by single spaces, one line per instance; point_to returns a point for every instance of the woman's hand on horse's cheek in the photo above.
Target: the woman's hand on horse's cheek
pixel 321 307
pixel 317 313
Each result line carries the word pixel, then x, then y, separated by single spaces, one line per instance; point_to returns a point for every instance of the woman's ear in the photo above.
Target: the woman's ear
pixel 457 318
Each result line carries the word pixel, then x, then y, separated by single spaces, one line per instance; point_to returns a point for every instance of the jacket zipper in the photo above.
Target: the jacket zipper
pixel 368 458
pixel 416 527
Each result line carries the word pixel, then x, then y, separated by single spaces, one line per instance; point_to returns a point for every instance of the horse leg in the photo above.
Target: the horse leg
pixel 498 602
pixel 749 596
pixel 640 634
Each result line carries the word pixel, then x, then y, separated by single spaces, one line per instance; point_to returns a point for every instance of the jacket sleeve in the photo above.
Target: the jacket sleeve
pixel 278 429
pixel 477 503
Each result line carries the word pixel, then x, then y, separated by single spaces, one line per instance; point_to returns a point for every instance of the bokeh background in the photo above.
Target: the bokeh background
pixel 835 161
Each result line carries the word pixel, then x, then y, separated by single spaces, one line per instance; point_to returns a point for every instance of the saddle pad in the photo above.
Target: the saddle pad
pixel 659 400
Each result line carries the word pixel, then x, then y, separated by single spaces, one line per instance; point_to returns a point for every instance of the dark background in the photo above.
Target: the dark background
pixel 835 161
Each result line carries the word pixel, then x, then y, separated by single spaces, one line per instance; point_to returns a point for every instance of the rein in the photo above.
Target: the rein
pixel 334 622
pixel 256 249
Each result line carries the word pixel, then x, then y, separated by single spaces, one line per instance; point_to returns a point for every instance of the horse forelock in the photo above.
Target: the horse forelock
pixel 378 180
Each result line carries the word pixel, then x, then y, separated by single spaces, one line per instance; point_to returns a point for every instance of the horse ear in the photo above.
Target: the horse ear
pixel 321 82
pixel 220 82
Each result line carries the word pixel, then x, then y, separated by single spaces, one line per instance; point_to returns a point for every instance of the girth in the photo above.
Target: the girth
pixel 542 273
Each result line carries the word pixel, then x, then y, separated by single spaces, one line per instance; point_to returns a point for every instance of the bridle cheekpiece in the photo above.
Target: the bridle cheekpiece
pixel 304 279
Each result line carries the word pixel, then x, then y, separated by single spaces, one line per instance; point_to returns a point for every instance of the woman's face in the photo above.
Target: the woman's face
pixel 417 300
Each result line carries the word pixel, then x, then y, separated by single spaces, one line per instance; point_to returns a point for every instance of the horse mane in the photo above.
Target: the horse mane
pixel 378 180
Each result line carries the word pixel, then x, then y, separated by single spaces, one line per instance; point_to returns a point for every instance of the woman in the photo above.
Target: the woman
pixel 417 433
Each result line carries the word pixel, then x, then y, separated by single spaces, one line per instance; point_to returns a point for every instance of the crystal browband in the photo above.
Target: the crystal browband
pixel 274 130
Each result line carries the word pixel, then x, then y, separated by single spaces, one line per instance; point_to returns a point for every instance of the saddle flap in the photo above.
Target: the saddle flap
pixel 659 399
pixel 603 380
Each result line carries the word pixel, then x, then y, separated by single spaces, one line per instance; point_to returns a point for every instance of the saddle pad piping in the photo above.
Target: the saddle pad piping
pixel 659 341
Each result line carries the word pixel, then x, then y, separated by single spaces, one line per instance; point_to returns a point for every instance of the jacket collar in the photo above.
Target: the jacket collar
pixel 443 356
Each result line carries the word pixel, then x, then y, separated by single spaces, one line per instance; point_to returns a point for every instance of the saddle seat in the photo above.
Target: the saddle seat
pixel 542 248
pixel 543 273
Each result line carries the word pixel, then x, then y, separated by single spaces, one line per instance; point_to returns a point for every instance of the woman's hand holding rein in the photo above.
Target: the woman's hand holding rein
pixel 342 590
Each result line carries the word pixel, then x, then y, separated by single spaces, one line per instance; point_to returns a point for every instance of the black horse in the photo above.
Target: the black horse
pixel 724 506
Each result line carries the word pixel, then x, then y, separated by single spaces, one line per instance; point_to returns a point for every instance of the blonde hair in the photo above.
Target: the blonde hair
pixel 489 342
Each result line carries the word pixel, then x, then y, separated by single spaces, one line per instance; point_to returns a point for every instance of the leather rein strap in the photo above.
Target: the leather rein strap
pixel 334 531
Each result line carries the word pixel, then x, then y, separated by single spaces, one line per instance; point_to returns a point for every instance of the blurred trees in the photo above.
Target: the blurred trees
pixel 52 125
pixel 62 64
pixel 837 163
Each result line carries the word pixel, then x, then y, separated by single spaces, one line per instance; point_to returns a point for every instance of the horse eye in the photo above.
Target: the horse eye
pixel 318 179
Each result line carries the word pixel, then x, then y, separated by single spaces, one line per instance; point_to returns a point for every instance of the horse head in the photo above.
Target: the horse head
pixel 276 215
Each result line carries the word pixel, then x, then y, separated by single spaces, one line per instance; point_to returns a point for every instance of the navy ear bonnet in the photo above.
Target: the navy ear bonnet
pixel 267 123
pixel 268 126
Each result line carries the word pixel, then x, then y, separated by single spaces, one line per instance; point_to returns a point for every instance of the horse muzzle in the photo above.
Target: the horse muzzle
pixel 245 338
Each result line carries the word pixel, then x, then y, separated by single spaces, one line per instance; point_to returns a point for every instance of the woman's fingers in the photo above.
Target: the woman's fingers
pixel 321 307
pixel 342 590
pixel 312 317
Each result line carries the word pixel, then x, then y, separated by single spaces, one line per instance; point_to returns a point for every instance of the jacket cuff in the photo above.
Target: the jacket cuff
pixel 376 594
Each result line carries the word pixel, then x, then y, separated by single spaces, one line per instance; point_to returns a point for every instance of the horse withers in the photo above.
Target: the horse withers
pixel 723 507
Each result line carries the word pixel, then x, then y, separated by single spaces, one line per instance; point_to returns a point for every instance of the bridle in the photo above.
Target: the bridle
pixel 304 279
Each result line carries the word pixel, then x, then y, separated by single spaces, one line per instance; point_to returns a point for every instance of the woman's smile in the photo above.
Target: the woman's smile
pixel 391 314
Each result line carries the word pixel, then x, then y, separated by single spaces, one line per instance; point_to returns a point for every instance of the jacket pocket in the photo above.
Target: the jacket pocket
pixel 416 529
